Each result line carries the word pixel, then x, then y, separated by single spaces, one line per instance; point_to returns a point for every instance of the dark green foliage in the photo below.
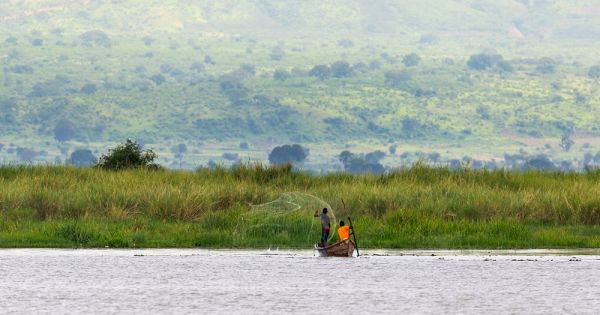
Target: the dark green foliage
pixel 89 88
pixel 158 79
pixel 37 42
pixel 546 65
pixel 411 60
pixel 294 154
pixel 594 72
pixel 362 164
pixel 281 75
pixel 320 71
pixel 540 162
pixel 22 69
pixel 480 62
pixel 234 90
pixel 397 78
pixel 128 155
pixel 340 69
pixel 95 37
pixel 82 158
pixel 64 130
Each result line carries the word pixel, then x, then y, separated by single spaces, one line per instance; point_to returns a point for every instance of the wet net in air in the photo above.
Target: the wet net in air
pixel 286 220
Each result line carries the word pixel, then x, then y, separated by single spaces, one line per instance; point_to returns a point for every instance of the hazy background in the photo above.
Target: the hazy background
pixel 483 82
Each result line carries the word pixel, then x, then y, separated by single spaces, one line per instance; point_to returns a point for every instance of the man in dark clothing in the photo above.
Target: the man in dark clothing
pixel 325 226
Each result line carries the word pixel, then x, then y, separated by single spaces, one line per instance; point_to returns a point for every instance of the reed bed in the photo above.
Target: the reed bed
pixel 418 207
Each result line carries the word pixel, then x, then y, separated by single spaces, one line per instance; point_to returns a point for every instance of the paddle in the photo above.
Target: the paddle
pixel 354 236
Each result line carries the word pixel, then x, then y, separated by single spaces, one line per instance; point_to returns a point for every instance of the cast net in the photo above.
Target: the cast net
pixel 287 220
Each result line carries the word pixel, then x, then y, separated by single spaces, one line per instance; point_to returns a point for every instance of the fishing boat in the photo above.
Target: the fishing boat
pixel 343 248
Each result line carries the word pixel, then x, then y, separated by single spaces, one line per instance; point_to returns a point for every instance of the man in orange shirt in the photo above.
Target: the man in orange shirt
pixel 344 231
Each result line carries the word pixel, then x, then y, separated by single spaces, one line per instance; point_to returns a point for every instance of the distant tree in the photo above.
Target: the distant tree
pixel 281 75
pixel 178 151
pixel 320 71
pixel 374 157
pixel 294 154
pixel 277 53
pixel 392 149
pixel 22 69
pixel 483 111
pixel 158 79
pixel 11 40
pixel 89 88
pixel 540 162
pixel 411 128
pixel 234 90
pixel 26 154
pixel 96 37
pixel 480 62
pixel 244 146
pixel 64 130
pixel 594 72
pixel 128 155
pixel 82 158
pixel 428 39
pixel 148 40
pixel 166 68
pixel 546 66
pixel 341 69
pixel 505 66
pixel 249 69
pixel 37 42
pixel 230 156
pixel 360 67
pixel 397 78
pixel 345 157
pixel 411 60
pixel 434 157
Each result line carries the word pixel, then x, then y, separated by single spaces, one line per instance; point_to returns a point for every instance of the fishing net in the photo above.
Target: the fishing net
pixel 287 220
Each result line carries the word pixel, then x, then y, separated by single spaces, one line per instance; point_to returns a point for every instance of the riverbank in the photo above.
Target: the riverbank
pixel 419 207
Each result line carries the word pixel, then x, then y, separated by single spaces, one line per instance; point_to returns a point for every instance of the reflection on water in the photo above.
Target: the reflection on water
pixel 199 281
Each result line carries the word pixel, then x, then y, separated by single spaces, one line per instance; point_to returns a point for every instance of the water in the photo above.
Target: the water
pixel 201 281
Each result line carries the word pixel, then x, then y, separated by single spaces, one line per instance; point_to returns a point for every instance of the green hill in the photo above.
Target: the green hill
pixel 217 73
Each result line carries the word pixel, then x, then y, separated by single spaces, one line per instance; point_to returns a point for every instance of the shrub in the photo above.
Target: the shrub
pixel 89 88
pixel 320 71
pixel 480 62
pixel 158 79
pixel 411 60
pixel 546 66
pixel 277 53
pixel 341 69
pixel 281 75
pixel 128 155
pixel 95 37
pixel 397 78
pixel 594 72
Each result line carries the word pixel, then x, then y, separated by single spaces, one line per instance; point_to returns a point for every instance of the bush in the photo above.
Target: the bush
pixel 95 37
pixel 89 88
pixel 546 66
pixel 277 53
pixel 594 72
pixel 158 79
pixel 281 75
pixel 397 78
pixel 128 155
pixel 411 60
pixel 82 158
pixel 480 62
pixel 234 90
pixel 288 154
pixel 341 69
pixel 320 71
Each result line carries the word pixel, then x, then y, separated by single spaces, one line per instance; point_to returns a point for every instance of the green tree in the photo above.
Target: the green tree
pixel 128 155
pixel 411 60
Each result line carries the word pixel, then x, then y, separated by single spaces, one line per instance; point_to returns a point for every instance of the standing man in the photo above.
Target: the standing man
pixel 325 226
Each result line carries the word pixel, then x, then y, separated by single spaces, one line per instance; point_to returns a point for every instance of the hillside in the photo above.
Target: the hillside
pixel 214 74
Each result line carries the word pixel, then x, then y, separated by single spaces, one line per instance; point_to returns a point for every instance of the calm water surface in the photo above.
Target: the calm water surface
pixel 201 281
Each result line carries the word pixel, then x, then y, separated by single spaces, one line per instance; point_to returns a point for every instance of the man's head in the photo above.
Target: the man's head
pixel 342 223
pixel 324 210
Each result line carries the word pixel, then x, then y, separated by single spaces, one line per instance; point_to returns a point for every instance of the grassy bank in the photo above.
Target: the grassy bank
pixel 413 208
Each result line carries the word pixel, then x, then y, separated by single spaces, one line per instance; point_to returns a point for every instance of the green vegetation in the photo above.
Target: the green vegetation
pixel 477 78
pixel 420 207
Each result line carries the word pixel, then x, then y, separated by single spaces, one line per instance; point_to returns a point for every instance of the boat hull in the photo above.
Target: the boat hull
pixel 343 248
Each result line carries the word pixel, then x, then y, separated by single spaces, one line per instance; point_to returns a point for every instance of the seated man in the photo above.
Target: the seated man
pixel 344 231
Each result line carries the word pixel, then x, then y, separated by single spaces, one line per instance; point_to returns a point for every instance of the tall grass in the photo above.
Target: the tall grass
pixel 414 207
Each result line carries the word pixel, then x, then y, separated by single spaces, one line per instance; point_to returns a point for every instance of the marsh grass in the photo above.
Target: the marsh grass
pixel 419 207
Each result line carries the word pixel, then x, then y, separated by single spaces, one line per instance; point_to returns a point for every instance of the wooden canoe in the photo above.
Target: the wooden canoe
pixel 343 248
